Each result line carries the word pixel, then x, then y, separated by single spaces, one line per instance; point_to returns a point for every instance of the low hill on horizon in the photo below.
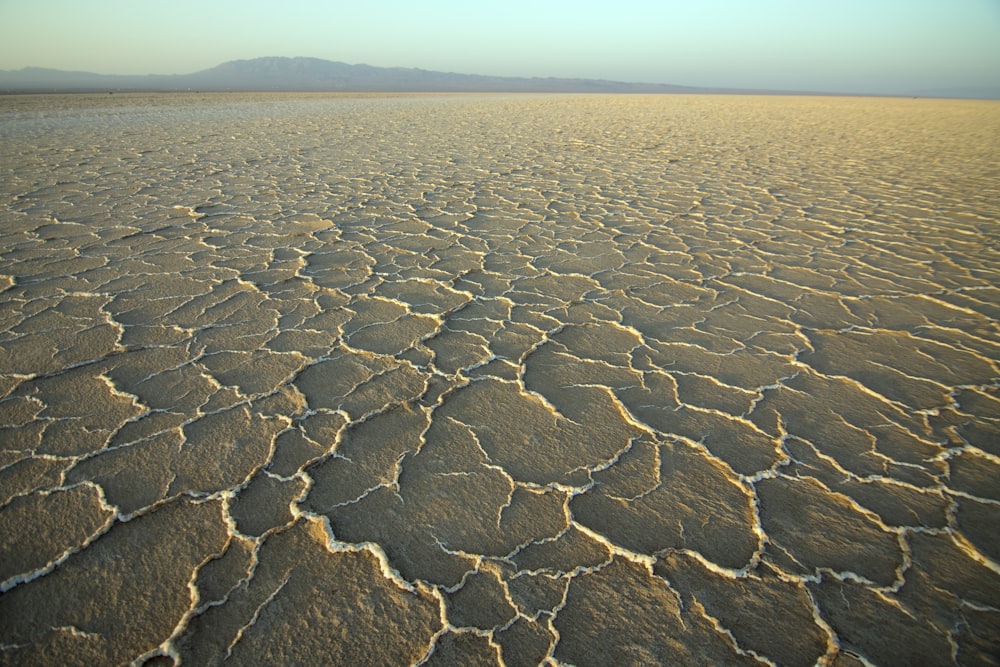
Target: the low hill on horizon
pixel 313 74
pixel 282 74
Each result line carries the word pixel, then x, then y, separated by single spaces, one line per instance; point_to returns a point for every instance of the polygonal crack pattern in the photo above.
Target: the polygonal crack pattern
pixel 499 380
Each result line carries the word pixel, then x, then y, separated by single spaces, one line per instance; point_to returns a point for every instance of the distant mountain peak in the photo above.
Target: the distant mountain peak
pixel 278 73
pixel 276 63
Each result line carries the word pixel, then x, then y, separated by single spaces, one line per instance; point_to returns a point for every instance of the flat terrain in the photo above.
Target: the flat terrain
pixel 513 380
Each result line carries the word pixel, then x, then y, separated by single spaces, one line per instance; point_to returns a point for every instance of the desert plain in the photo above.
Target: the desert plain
pixel 499 380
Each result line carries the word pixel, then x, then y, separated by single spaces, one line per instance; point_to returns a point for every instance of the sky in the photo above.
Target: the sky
pixel 861 46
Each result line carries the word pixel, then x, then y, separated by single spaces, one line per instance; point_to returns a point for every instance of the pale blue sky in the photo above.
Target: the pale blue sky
pixel 865 46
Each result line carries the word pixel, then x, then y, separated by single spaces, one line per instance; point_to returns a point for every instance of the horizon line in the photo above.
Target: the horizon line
pixel 961 92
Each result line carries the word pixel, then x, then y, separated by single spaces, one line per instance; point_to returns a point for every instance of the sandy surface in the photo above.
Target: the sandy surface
pixel 499 380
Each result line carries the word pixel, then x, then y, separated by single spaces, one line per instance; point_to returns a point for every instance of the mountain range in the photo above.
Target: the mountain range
pixel 313 74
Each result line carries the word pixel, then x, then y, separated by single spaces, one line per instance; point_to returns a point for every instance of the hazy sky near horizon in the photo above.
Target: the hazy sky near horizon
pixel 864 46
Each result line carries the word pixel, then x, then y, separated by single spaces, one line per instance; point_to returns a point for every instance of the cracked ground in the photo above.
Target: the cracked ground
pixel 494 380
